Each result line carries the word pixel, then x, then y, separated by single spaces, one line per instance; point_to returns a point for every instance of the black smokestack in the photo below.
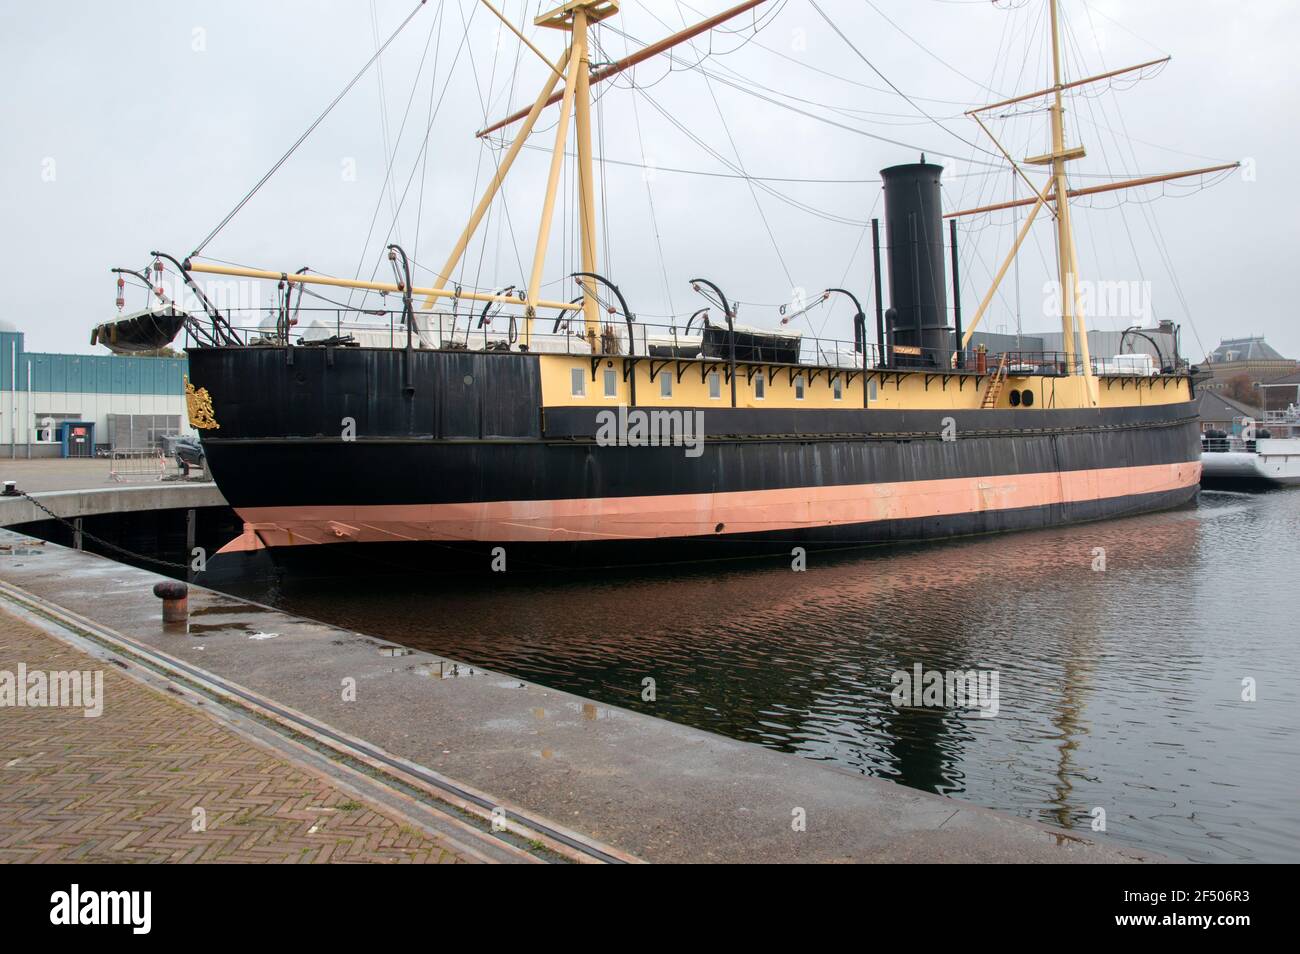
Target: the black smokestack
pixel 918 293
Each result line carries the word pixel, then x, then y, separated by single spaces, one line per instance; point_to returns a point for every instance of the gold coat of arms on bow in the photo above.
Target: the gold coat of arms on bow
pixel 198 403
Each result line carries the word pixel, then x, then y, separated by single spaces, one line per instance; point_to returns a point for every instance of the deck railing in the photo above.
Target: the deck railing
pixel 1245 431
pixel 467 330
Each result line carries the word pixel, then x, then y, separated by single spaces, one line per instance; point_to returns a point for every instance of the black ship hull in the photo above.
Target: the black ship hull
pixel 358 447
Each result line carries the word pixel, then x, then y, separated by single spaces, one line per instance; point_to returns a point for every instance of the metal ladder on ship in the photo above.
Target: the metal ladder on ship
pixel 994 388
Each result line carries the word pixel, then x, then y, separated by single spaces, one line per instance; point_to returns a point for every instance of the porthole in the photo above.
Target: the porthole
pixel 1027 398
pixel 1014 398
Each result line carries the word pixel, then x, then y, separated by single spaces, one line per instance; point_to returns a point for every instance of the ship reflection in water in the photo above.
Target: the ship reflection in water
pixel 1119 689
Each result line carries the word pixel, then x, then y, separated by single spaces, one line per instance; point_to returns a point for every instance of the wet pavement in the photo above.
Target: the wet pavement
pixel 149 778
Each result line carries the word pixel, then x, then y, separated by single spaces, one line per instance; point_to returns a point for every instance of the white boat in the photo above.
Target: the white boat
pixel 1256 455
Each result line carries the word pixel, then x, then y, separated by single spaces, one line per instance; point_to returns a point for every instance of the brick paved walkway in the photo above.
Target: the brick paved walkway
pixel 124 786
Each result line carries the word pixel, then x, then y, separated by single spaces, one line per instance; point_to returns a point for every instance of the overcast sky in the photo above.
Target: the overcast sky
pixel 130 126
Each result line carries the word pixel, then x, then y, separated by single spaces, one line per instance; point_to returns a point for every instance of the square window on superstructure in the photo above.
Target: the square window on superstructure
pixel 715 385
pixel 578 382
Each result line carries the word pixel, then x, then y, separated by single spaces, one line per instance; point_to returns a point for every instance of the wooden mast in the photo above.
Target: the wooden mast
pixel 574 66
pixel 575 17
pixel 577 60
pixel 640 56
pixel 443 278
pixel 1070 85
pixel 310 278
pixel 1039 202
pixel 1098 189
pixel 1056 194
pixel 586 183
pixel 1071 320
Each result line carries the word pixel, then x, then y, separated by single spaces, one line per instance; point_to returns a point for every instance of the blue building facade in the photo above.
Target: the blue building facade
pixel 130 401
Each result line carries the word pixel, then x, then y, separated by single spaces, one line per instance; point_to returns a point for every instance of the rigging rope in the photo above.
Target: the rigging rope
pixel 424 146
pixel 1157 234
pixel 802 206
pixel 745 87
pixel 310 129
pixel 758 206
pixel 862 56
pixel 383 107
pixel 920 46
pixel 485 102
pixel 424 164
pixel 386 187
pixel 649 192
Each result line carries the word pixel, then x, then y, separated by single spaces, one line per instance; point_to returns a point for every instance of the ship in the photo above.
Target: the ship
pixel 1254 454
pixel 486 423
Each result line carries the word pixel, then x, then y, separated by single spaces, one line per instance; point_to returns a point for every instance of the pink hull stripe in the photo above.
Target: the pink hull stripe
pixel 693 515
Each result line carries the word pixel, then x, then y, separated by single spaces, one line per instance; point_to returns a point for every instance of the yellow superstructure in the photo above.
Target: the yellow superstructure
pixel 703 383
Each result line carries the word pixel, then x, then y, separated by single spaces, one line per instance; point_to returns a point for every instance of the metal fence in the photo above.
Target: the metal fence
pixel 137 466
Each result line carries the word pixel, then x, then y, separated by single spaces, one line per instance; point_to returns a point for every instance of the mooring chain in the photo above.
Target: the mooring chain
pixel 99 540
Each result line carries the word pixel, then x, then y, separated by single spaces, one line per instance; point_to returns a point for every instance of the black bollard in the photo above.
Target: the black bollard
pixel 175 597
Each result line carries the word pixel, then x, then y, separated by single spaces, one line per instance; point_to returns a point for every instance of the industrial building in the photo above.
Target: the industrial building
pixel 78 405
pixel 1160 342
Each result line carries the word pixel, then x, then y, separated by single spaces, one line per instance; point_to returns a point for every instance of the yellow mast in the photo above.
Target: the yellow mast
pixel 575 17
pixel 1095 190
pixel 577 60
pixel 442 279
pixel 586 180
pixel 1066 257
pixel 1074 331
pixel 574 67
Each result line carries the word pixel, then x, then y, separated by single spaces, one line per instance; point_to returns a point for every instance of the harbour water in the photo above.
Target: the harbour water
pixel 1125 652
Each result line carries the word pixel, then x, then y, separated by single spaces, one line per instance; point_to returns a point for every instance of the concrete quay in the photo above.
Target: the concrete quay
pixel 85 488
pixel 623 783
